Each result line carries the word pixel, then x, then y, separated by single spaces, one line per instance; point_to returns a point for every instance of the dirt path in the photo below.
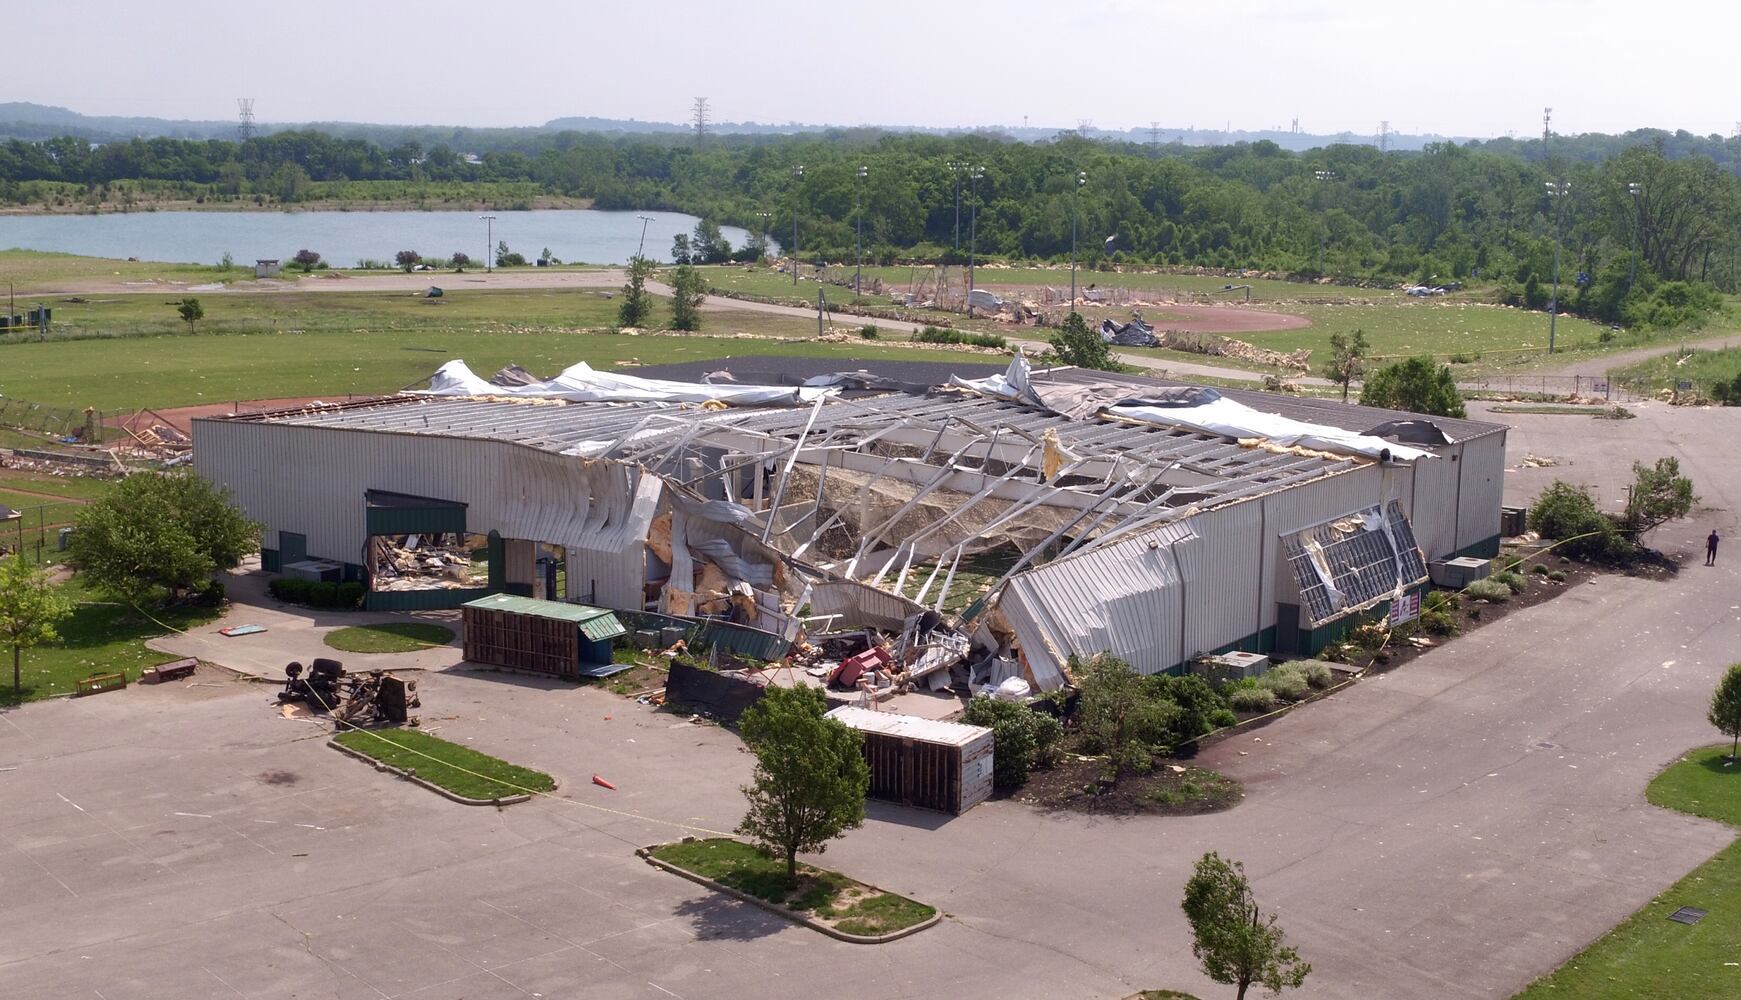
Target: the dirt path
pixel 1602 365
pixel 8 487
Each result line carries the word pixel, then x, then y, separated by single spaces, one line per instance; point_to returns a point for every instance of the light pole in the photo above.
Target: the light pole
pixel 489 242
pixel 644 220
pixel 858 210
pixel 1636 190
pixel 1081 179
pixel 764 216
pixel 973 176
pixel 797 182
pixel 955 169
pixel 1322 176
pixel 1558 192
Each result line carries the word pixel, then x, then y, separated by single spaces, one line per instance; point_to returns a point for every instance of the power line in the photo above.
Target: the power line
pixel 1384 136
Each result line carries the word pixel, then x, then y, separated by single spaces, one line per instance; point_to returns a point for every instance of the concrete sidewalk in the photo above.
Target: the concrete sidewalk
pixel 297 633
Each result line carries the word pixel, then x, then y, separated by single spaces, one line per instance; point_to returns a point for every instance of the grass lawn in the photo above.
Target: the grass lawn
pixel 329 345
pixel 1703 368
pixel 391 637
pixel 30 270
pixel 1650 956
pixel 99 638
pixel 831 897
pixel 461 770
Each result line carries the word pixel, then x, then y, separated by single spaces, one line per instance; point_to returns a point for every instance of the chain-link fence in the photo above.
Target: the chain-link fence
pixel 37 529
pixel 60 422
pixel 1582 386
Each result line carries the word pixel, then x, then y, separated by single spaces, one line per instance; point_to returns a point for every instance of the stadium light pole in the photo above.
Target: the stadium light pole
pixel 1322 176
pixel 1075 214
pixel 640 250
pixel 797 181
pixel 489 242
pixel 858 210
pixel 1557 191
pixel 973 176
pixel 955 169
pixel 764 216
pixel 1636 190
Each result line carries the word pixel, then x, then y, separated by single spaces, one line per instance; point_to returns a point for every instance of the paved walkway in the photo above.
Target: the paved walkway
pixel 296 633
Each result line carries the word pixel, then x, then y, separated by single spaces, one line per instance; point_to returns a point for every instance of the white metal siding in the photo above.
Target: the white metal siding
pixel 1223 569
pixel 1433 512
pixel 313 480
pixel 1483 489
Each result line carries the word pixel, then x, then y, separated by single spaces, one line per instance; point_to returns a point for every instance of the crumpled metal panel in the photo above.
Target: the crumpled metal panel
pixel 1123 599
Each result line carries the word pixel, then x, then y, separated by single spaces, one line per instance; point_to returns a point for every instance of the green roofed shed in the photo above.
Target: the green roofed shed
pixel 545 637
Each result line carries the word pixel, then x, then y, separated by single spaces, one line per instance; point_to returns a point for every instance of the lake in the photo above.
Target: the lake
pixel 344 238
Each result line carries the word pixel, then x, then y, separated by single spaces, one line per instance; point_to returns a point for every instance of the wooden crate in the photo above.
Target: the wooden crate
pixel 923 763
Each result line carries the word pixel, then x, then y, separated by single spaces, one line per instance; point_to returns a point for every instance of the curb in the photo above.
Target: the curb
pixel 506 800
pixel 795 916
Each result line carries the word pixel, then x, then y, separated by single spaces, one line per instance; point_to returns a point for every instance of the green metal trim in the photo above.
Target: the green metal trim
pixel 419 600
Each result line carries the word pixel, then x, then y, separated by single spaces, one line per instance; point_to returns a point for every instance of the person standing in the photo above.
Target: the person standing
pixel 1711 548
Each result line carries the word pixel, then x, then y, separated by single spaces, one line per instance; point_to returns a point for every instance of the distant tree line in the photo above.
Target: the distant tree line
pixel 1448 213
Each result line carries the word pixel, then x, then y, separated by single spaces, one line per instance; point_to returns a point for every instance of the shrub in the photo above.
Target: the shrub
pixel 1539 569
pixel 1196 699
pixel 1119 707
pixel 1564 511
pixel 1558 576
pixel 938 335
pixel 869 331
pixel 1514 581
pixel 1022 738
pixel 1252 699
pixel 1319 676
pixel 1489 590
pixel 1287 682
pixel 1221 718
pixel 350 594
pixel 209 594
pixel 1438 612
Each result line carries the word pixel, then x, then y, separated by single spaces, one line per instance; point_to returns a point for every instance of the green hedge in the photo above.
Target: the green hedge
pixel 317 593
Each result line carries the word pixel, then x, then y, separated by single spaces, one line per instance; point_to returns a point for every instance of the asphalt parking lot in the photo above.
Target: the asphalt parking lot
pixel 1451 829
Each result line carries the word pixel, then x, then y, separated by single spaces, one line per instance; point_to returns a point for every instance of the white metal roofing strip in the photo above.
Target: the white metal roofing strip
pixel 910 727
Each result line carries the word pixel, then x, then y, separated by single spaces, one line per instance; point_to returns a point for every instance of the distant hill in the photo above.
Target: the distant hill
pixel 23 120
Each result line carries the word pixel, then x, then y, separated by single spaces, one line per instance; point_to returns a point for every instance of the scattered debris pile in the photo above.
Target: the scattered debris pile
pixel 422 562
pixel 372 698
pixel 1218 346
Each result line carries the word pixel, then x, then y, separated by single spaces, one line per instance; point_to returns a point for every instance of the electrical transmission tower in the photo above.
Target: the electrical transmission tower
pixel 1384 137
pixel 1083 125
pixel 1547 123
pixel 245 118
pixel 1154 136
pixel 702 120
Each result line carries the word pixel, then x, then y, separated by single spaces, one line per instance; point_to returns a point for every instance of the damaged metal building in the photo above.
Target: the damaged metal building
pixel 1035 516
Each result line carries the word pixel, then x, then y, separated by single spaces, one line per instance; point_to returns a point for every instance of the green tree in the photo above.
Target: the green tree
pixel 29 609
pixel 508 258
pixel 1568 514
pixel 1022 738
pixel 811 777
pixel 637 305
pixel 1725 711
pixel 459 260
pixel 407 259
pixel 157 537
pixel 688 290
pixel 1120 714
pixel 708 245
pixel 1416 385
pixel 308 260
pixel 1077 344
pixel 1658 493
pixel 680 251
pixel 1230 936
pixel 1347 359
pixel 190 311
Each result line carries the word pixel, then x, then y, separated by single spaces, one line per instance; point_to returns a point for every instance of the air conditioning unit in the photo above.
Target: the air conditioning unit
pixel 1512 521
pixel 1460 572
pixel 1232 666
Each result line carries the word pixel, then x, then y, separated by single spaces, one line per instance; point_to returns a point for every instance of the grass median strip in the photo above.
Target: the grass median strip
pixel 1649 955
pixel 389 637
pixel 461 770
pixel 830 898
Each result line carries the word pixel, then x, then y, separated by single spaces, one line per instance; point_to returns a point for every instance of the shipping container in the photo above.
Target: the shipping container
pixel 541 637
pixel 944 766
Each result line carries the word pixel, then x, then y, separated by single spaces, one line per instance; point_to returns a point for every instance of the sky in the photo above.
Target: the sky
pixel 1476 68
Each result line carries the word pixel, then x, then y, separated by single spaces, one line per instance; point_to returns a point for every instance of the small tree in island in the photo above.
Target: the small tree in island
pixel 1230 936
pixel 637 305
pixel 1725 711
pixel 29 609
pixel 810 780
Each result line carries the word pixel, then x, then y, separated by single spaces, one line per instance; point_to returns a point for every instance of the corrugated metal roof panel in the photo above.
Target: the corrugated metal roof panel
pixel 910 727
pixel 595 623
